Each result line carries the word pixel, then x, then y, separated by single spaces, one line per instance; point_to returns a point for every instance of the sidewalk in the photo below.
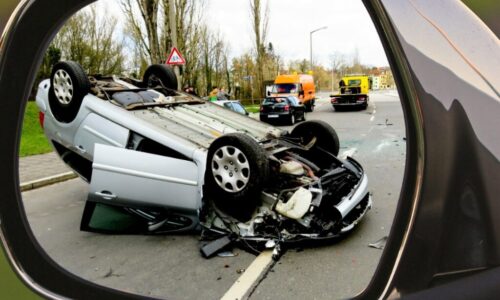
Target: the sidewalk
pixel 40 166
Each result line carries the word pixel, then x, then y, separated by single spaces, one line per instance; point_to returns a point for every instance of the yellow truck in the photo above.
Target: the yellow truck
pixel 353 92
pixel 298 85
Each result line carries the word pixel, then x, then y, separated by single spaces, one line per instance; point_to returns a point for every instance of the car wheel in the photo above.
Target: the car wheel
pixel 237 169
pixel 325 135
pixel 68 86
pixel 303 116
pixel 307 106
pixel 292 118
pixel 160 75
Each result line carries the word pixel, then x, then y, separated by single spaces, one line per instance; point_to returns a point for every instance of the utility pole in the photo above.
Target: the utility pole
pixel 173 32
pixel 311 44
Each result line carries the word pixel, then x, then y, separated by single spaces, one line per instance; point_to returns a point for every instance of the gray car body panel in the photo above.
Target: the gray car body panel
pixel 450 66
pixel 122 176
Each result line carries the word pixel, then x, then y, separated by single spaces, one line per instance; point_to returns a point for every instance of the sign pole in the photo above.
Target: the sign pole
pixel 173 31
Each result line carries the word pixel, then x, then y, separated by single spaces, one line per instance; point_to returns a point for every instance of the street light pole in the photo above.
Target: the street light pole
pixel 311 44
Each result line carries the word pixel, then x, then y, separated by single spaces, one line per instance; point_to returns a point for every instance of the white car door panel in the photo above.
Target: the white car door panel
pixel 98 130
pixel 132 178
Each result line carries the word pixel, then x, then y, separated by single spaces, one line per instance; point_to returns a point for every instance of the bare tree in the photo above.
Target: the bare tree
pixel 152 32
pixel 356 62
pixel 89 40
pixel 260 23
pixel 337 62
pixel 142 17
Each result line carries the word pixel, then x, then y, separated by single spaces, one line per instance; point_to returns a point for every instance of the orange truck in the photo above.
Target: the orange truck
pixel 298 85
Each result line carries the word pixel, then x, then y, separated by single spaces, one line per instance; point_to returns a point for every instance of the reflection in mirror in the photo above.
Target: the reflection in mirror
pixel 143 172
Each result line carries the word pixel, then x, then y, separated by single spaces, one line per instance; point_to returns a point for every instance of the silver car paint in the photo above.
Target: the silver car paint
pixel 128 177
pixel 188 130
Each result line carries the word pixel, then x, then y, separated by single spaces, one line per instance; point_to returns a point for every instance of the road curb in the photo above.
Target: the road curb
pixel 34 184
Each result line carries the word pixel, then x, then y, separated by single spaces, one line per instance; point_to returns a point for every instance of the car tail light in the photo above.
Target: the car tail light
pixel 334 100
pixel 41 118
pixel 287 107
pixel 262 108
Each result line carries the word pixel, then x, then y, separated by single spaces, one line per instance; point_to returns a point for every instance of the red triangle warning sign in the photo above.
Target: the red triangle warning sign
pixel 175 58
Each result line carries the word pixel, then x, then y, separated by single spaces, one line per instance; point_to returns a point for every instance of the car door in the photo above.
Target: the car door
pixel 137 179
pixel 96 129
pixel 297 108
pixel 237 107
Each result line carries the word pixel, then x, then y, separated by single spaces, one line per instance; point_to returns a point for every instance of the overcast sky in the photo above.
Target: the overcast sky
pixel 290 24
pixel 348 27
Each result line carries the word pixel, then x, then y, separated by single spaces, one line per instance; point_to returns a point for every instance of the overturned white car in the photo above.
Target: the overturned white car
pixel 174 162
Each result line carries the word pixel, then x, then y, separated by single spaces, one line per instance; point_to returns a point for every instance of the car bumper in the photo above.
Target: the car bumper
pixel 349 203
pixel 349 104
pixel 274 116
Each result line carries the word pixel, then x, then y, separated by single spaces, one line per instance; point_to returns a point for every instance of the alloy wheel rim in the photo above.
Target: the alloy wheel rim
pixel 231 169
pixel 63 87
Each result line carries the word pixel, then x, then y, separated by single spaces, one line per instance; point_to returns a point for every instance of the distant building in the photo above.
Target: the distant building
pixel 382 78
pixel 375 83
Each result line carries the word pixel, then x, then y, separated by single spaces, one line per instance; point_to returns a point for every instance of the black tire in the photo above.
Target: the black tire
pixel 303 116
pixel 160 75
pixel 68 86
pixel 365 105
pixel 309 106
pixel 292 118
pixel 326 136
pixel 240 197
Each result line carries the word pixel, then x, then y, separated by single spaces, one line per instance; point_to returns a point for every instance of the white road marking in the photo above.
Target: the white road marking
pixel 381 146
pixel 372 118
pixel 349 152
pixel 248 279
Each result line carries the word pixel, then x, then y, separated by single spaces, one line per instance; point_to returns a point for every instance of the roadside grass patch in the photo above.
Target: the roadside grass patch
pixel 252 108
pixel 33 140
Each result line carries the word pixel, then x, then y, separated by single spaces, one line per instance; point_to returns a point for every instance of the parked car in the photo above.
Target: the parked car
pixel 234 105
pixel 289 109
pixel 180 162
pixel 298 85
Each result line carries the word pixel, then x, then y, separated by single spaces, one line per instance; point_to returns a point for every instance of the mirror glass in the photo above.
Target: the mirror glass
pixel 141 171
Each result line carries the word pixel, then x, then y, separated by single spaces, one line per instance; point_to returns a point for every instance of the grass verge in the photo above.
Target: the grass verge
pixel 252 108
pixel 33 140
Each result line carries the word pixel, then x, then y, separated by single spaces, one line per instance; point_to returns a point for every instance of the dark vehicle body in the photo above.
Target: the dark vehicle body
pixel 288 109
pixel 445 239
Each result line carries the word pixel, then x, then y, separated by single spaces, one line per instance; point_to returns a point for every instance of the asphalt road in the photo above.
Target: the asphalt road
pixel 171 266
